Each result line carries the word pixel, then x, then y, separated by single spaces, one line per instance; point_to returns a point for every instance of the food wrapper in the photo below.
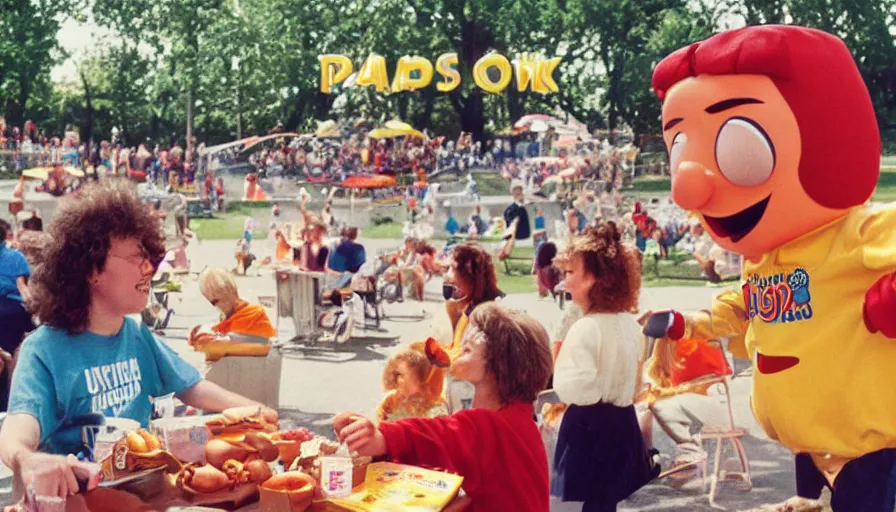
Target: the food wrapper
pixel 123 463
pixel 398 487
pixel 184 437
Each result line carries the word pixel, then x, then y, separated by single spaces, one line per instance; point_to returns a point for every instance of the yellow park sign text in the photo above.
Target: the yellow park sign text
pixel 532 73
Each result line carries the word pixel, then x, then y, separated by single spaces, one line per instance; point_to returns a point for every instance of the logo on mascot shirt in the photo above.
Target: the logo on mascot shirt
pixel 779 298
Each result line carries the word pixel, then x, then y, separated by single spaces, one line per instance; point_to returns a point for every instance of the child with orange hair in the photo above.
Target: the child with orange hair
pixel 413 386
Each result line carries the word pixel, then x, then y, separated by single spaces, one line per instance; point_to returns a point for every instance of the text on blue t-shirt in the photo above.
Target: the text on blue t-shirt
pixel 61 376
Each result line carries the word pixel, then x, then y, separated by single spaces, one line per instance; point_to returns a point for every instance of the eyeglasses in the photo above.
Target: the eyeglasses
pixel 138 260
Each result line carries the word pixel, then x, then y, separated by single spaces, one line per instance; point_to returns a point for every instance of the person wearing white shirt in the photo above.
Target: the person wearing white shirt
pixel 601 457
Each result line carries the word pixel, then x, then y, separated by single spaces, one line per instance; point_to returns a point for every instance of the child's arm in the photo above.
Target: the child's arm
pixel 450 442
pixel 455 443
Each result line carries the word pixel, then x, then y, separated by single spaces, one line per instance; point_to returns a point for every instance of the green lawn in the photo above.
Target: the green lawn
pixel 384 230
pixel 229 225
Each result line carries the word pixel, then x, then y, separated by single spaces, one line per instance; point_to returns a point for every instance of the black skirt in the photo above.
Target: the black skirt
pixel 600 455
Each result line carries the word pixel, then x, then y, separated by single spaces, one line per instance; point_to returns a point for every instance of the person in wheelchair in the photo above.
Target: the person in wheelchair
pixel 346 259
pixel 397 269
pixel 245 329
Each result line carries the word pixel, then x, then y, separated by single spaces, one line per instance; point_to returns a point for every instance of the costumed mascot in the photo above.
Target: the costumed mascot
pixel 774 144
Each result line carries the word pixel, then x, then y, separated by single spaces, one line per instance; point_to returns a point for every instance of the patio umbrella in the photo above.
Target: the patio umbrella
pixel 399 125
pixel 37 173
pixel 388 133
pixel 369 181
pixel 528 119
pixel 73 171
pixel 538 126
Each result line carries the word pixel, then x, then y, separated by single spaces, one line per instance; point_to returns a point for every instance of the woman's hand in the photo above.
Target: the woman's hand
pixel 360 434
pixel 53 475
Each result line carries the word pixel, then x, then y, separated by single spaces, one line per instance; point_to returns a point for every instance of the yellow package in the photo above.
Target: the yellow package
pixel 397 487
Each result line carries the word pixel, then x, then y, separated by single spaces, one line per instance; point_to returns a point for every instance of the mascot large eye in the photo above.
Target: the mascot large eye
pixel 675 150
pixel 744 152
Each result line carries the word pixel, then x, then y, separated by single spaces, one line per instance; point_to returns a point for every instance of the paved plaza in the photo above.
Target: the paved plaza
pixel 316 384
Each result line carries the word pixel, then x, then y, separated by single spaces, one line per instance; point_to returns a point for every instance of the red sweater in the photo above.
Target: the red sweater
pixel 499 453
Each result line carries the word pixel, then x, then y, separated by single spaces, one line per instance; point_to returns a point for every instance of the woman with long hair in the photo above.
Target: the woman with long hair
pixel 470 281
pixel 601 457
pixel 314 253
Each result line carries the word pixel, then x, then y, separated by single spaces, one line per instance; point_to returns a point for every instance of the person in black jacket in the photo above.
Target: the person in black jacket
pixel 517 210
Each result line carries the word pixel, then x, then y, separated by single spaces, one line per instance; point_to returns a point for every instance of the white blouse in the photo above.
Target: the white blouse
pixel 598 361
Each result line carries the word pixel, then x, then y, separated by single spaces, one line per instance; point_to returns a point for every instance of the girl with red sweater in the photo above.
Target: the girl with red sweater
pixel 495 446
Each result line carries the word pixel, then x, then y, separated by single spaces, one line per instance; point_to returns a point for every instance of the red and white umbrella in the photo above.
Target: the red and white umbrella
pixel 526 120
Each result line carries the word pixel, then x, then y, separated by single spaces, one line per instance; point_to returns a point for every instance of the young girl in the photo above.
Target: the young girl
pixel 495 446
pixel 601 458
pixel 413 385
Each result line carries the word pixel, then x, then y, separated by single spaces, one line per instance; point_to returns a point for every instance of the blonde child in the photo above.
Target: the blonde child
pixel 413 387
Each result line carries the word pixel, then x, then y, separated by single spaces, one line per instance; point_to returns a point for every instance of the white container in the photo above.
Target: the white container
pixel 336 476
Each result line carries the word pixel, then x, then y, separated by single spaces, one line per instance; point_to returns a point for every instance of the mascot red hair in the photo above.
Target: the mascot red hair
pixel 774 145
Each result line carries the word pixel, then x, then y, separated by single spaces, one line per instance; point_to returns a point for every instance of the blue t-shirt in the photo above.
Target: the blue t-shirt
pixel 452 226
pixel 60 377
pixel 539 222
pixel 348 256
pixel 13 265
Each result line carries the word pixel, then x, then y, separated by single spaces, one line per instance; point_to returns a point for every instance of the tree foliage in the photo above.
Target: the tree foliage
pixel 247 64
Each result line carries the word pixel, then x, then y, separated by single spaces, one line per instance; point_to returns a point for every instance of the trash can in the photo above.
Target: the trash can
pixel 298 294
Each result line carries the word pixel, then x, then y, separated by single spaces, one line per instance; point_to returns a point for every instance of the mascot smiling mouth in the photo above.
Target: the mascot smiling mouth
pixel 739 225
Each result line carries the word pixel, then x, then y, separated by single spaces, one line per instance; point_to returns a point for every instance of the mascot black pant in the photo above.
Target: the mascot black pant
pixel 866 484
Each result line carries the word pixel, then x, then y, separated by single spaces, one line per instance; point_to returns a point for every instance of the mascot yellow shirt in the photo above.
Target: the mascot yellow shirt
pixel 804 301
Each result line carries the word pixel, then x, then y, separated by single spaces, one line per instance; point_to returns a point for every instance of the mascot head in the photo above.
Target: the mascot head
pixel 771 134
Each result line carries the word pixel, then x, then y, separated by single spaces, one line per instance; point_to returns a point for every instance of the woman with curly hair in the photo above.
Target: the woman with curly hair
pixel 600 457
pixel 472 281
pixel 88 357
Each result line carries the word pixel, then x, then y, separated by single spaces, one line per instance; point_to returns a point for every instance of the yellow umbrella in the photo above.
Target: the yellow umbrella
pixel 38 173
pixel 383 133
pixel 74 171
pixel 386 133
pixel 399 126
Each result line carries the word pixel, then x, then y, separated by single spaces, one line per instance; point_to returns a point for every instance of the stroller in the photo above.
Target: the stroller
pixel 157 314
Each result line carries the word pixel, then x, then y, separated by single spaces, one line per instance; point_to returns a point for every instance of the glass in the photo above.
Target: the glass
pixel 137 259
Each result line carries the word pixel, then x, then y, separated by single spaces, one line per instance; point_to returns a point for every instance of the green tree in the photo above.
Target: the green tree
pixel 28 47
pixel 617 33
